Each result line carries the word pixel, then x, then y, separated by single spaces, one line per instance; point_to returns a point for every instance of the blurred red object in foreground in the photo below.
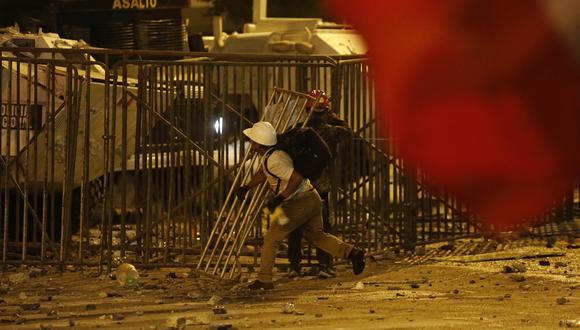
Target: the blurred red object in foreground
pixel 483 95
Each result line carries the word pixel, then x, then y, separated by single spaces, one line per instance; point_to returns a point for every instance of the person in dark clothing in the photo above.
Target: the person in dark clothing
pixel 333 131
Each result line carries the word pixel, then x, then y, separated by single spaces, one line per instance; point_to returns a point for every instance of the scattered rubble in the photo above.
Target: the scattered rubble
pixel 214 300
pixel 288 308
pixel 570 323
pixel 218 310
pixel 562 301
pixel 18 278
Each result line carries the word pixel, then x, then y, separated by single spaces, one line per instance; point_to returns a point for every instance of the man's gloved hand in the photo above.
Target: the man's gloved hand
pixel 274 202
pixel 242 191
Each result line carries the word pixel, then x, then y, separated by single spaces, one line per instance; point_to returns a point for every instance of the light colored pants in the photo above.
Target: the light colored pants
pixel 303 210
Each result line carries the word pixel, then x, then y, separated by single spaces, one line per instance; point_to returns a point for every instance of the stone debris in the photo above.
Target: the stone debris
pixel 570 323
pixel 288 308
pixel 36 272
pixel 525 287
pixel 218 310
pixel 45 298
pixel 359 286
pixel 515 268
pixel 22 296
pixel 414 285
pixel 117 317
pixel 393 287
pixel 71 323
pixel 214 300
pixel 562 301
pixel 18 278
pixel 51 312
pixel 318 315
pixel 560 264
pixel 90 307
pixel 544 263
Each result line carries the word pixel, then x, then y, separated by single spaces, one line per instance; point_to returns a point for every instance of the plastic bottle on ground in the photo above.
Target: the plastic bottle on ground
pixel 126 274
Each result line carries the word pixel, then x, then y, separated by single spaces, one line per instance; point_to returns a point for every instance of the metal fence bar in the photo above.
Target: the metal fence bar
pixel 162 141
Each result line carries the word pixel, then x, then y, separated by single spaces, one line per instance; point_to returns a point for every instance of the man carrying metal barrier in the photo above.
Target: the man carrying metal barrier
pixel 296 201
pixel 333 131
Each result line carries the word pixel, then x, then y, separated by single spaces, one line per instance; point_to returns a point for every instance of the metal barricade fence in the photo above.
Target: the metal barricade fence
pixel 133 160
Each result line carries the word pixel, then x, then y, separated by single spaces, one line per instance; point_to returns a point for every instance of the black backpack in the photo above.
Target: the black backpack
pixel 308 151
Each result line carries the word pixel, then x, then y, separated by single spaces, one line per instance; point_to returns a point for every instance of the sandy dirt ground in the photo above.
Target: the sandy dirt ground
pixel 459 286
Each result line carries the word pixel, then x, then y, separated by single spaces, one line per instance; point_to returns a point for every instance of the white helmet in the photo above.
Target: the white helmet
pixel 262 133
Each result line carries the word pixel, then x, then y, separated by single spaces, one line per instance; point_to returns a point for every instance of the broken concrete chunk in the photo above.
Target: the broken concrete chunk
pixel 570 323
pixel 288 308
pixel 359 286
pixel 219 310
pixel 544 263
pixel 515 268
pixel 18 278
pixel 171 275
pixel 36 272
pixel 561 301
pixel 525 287
pixel 214 300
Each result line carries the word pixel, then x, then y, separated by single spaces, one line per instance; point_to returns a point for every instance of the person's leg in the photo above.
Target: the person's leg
pixel 313 231
pixel 295 252
pixel 298 214
pixel 325 259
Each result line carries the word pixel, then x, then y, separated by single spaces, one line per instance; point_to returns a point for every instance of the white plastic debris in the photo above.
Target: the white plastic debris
pixel 126 274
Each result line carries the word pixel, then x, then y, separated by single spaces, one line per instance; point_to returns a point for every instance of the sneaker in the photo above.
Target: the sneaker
pixel 294 270
pixel 357 258
pixel 326 272
pixel 259 285
pixel 292 273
